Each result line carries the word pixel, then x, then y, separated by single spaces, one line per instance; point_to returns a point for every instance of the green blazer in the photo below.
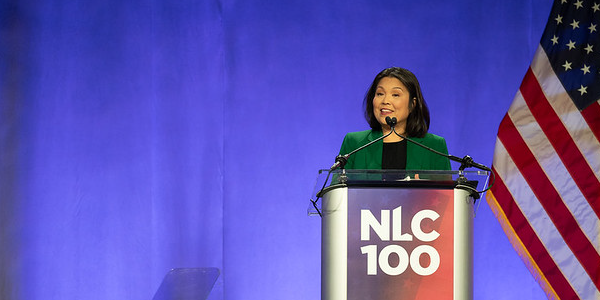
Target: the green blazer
pixel 417 158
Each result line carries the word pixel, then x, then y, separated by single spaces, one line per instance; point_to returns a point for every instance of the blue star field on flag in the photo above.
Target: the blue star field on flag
pixel 572 44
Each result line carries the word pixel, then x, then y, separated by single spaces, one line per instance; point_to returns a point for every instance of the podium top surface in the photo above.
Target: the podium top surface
pixel 406 172
pixel 356 177
pixel 473 180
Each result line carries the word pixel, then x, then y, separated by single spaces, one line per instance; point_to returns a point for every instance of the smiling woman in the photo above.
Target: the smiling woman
pixel 395 93
pixel 392 99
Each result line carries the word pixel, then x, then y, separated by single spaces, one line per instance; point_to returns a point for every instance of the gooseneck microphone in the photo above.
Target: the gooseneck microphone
pixel 341 160
pixel 391 122
pixel 465 162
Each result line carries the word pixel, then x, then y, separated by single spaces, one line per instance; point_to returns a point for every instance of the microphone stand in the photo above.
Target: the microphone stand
pixel 465 162
pixel 340 162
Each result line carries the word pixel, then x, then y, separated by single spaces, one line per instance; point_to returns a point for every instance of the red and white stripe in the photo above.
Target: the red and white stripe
pixel 547 191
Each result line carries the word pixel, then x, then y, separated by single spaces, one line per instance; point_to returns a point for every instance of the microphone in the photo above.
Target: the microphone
pixel 391 121
pixel 465 162
pixel 341 160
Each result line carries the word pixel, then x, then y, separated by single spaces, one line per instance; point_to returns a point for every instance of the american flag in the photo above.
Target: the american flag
pixel 547 157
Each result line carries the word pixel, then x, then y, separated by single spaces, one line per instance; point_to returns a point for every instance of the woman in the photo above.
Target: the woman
pixel 395 92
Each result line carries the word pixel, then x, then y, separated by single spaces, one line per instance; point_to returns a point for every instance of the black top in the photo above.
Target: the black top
pixel 394 155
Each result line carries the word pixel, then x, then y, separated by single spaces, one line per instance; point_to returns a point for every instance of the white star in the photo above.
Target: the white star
pixel 563 1
pixel 582 90
pixel 567 65
pixel 558 19
pixel 589 49
pixel 596 7
pixel 574 24
pixel 571 45
pixel 578 4
pixel 585 69
pixel 592 28
pixel 554 40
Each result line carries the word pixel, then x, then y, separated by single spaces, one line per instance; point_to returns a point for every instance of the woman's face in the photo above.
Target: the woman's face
pixel 391 100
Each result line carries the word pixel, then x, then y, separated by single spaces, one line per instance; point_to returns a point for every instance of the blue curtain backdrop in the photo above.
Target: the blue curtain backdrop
pixel 139 136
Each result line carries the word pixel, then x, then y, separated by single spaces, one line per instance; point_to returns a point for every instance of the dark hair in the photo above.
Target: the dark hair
pixel 417 123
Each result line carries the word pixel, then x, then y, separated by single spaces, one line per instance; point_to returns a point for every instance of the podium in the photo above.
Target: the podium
pixel 395 234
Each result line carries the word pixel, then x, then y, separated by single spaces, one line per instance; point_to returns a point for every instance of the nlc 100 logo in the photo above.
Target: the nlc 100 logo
pixel 383 228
